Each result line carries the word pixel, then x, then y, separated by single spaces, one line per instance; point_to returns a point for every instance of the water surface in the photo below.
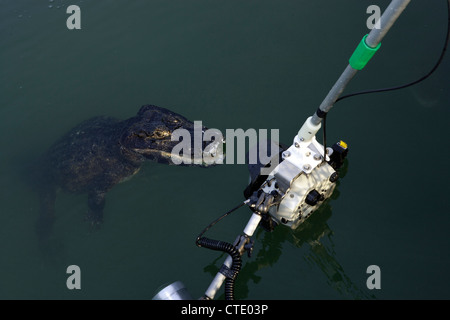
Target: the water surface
pixel 232 64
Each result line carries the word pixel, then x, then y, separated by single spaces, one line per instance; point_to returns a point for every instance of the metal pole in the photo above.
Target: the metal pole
pixel 218 280
pixel 388 18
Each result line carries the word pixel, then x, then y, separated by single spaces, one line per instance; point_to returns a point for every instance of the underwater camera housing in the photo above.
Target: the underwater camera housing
pixel 299 184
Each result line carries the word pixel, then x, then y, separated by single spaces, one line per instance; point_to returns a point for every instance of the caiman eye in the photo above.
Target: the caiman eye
pixel 161 133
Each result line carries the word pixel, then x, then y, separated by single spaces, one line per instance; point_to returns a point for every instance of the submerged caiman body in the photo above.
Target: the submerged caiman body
pixel 101 152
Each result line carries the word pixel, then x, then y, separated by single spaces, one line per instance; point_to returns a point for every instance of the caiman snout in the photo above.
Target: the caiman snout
pixel 205 147
pixel 164 136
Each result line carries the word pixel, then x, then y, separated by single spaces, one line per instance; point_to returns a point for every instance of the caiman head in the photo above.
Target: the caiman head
pixel 164 136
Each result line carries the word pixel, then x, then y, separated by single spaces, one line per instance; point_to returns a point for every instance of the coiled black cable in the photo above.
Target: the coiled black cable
pixel 235 265
pixel 226 247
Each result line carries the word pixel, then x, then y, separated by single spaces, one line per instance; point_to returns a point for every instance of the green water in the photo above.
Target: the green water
pixel 232 64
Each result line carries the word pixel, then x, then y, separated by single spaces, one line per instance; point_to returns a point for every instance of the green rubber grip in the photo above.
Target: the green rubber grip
pixel 362 54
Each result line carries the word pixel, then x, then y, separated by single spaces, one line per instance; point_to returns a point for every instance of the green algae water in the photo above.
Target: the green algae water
pixel 231 64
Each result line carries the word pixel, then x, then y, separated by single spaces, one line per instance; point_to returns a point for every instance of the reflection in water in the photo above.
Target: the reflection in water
pixel 427 96
pixel 313 233
pixel 321 253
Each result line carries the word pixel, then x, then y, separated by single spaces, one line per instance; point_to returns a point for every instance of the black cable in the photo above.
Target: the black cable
pixel 441 57
pixel 324 142
pixel 226 247
pixel 217 220
pixel 232 272
pixel 236 263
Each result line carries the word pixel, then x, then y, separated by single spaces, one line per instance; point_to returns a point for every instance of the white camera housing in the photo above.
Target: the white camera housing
pixel 303 178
